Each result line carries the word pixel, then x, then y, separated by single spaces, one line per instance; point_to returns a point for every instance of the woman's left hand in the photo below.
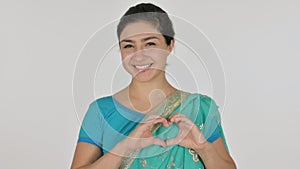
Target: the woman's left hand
pixel 189 135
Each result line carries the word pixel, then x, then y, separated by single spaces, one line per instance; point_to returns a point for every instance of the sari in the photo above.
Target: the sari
pixel 201 109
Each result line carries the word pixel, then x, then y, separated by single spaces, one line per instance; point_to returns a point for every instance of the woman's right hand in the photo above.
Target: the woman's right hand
pixel 141 136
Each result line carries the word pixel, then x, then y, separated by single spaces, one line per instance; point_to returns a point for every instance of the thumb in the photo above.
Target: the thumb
pixel 159 142
pixel 172 141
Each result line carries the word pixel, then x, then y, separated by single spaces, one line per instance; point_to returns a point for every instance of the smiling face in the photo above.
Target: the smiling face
pixel 144 51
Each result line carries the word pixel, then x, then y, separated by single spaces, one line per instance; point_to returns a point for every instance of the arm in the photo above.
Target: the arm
pixel 214 155
pixel 88 156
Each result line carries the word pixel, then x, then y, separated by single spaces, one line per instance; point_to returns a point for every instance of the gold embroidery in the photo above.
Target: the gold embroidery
pixel 144 162
pixel 201 126
pixel 194 154
pixel 172 163
pixel 127 161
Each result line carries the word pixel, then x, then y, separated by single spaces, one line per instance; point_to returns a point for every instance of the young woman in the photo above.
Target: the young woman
pixel 150 124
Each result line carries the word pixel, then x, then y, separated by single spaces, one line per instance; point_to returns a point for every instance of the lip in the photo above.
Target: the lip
pixel 142 67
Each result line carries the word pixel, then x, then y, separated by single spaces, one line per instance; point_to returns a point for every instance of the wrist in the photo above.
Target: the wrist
pixel 122 149
pixel 205 151
pixel 203 148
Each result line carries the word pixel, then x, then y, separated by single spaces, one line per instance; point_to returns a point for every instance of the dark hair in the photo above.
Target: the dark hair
pixel 149 13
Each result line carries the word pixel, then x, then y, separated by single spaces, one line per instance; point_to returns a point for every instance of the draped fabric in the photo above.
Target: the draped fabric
pixel 107 122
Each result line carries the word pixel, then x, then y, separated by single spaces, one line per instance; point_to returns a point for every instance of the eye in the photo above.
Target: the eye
pixel 150 44
pixel 128 46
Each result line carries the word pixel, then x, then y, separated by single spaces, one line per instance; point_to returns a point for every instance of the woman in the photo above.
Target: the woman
pixel 150 124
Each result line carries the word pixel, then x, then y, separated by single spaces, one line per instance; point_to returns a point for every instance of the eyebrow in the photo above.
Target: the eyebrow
pixel 143 40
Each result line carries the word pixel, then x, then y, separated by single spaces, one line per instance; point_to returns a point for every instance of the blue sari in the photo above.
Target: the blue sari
pixel 107 122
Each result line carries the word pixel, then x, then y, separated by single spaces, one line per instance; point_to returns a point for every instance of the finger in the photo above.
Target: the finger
pixel 172 118
pixel 183 120
pixel 177 115
pixel 159 120
pixel 150 118
pixel 173 141
pixel 150 141
pixel 163 121
pixel 149 125
pixel 159 142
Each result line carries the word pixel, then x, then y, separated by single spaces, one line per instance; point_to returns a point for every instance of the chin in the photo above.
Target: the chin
pixel 147 77
pixel 143 79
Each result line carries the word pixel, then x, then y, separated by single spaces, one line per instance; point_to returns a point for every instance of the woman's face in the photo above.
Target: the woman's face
pixel 144 51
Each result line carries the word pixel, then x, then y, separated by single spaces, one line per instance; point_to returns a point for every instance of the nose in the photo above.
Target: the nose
pixel 139 56
pixel 139 53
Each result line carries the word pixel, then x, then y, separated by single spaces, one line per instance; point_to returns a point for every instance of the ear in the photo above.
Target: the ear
pixel 170 47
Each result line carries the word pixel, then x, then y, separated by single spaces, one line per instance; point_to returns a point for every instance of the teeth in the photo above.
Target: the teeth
pixel 143 66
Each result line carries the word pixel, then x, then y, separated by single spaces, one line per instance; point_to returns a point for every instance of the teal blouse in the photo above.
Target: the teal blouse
pixel 107 121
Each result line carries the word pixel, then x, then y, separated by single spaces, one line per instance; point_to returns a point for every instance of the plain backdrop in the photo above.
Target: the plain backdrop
pixel 41 42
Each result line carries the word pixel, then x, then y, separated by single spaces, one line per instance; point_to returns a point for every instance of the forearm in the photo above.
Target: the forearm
pixel 108 161
pixel 111 160
pixel 213 160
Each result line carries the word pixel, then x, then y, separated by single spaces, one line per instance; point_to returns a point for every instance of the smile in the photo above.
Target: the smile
pixel 141 67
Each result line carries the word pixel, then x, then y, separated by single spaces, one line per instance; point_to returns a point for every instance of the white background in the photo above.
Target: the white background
pixel 257 41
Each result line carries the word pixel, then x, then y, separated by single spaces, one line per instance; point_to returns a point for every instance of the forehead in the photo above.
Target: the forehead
pixel 139 29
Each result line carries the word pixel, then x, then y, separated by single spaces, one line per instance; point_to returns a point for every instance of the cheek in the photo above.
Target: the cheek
pixel 157 53
pixel 125 58
pixel 125 54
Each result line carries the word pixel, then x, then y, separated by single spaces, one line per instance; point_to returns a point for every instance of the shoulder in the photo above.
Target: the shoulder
pixel 102 105
pixel 208 101
pixel 208 107
pixel 103 100
pixel 204 99
pixel 205 102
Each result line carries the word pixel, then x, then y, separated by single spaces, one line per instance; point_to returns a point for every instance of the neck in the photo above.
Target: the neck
pixel 145 90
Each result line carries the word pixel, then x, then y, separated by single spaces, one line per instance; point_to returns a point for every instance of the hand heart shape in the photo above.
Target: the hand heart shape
pixel 189 135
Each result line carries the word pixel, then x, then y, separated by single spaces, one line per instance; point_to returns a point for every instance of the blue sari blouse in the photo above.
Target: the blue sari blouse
pixel 107 121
